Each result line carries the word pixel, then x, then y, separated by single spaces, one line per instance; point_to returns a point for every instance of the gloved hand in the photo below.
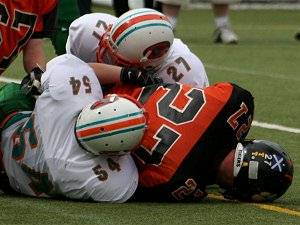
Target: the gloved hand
pixel 31 84
pixel 139 77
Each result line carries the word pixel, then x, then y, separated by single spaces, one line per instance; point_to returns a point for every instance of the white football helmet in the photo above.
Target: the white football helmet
pixel 114 125
pixel 139 38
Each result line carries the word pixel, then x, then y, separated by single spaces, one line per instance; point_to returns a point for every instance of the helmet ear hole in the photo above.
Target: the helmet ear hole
pixel 98 133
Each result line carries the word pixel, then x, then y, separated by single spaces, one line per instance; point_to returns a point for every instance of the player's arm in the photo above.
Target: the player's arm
pixel 33 55
pixel 33 52
pixel 109 74
pixel 106 74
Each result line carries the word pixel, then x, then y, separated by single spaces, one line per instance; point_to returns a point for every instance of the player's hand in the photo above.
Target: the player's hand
pixel 151 77
pixel 139 77
pixel 31 83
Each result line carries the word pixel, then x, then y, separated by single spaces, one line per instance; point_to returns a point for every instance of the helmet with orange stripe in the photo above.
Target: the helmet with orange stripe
pixel 114 125
pixel 139 38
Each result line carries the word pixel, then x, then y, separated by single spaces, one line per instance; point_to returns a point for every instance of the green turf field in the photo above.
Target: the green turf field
pixel 267 62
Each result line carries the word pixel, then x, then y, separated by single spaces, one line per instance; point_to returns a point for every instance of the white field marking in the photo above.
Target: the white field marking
pixel 242 6
pixel 281 76
pixel 246 6
pixel 254 123
pixel 8 80
pixel 275 127
pixel 253 73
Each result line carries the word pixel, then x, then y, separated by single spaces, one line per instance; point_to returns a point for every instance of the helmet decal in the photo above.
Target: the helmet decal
pixel 132 13
pixel 276 163
pixel 253 170
pixel 136 28
pixel 238 159
pixel 135 21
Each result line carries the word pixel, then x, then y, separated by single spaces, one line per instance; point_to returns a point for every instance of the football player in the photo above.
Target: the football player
pixel 196 137
pixel 67 11
pixel 43 157
pixel 23 24
pixel 141 38
pixel 171 8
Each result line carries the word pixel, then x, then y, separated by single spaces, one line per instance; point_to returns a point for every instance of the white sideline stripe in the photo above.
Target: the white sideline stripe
pixel 275 127
pixel 254 123
pixel 245 6
pixel 8 80
pixel 241 6
pixel 253 73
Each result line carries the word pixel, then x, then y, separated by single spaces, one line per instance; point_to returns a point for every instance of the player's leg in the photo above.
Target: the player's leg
pixel 297 36
pixel 120 7
pixel 148 3
pixel 84 6
pixel 171 9
pixel 224 32
pixel 67 12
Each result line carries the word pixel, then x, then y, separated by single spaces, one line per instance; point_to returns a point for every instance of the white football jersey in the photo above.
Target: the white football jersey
pixel 41 154
pixel 181 65
pixel 85 33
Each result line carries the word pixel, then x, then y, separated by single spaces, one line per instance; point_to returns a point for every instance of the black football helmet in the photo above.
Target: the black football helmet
pixel 263 172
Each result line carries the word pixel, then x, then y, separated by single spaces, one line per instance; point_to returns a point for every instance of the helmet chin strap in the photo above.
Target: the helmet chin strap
pixel 113 45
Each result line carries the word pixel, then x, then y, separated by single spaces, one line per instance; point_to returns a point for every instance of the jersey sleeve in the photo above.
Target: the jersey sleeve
pixel 195 75
pixel 67 78
pixel 45 25
pixel 183 66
